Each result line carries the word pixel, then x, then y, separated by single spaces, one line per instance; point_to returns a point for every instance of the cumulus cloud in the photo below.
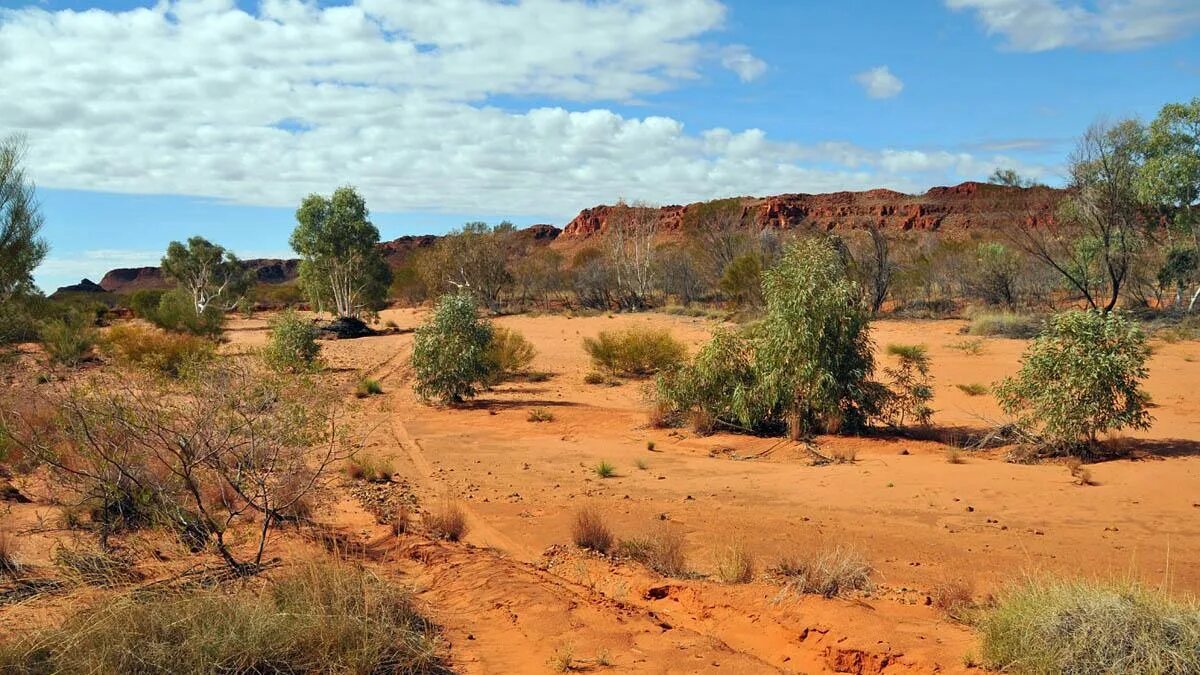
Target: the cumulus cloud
pixel 880 82
pixel 747 66
pixel 199 97
pixel 1040 25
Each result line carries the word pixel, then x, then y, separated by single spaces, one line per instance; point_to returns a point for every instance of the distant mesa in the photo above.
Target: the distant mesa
pixel 953 211
pixel 84 286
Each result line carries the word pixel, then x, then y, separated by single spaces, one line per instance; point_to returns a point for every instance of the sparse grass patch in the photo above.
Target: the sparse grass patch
pixel 322 618
pixel 829 573
pixel 973 389
pixel 371 469
pixel 970 347
pixel 1005 324
pixel 156 350
pixel 604 469
pixel 368 387
pixel 1053 625
pixel 563 659
pixel 955 456
pixel 735 564
pixel 540 415
pixel 590 531
pixel 664 551
pixel 95 568
pixel 635 352
pixel 448 521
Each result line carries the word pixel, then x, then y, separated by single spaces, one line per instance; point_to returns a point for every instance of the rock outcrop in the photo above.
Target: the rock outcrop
pixel 969 206
pixel 84 286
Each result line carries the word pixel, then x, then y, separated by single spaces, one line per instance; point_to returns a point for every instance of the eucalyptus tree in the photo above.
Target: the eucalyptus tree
pixel 209 274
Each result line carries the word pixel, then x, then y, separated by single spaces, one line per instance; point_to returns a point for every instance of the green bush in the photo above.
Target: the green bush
pixel 292 345
pixel 144 303
pixel 635 352
pixel 1004 324
pixel 508 354
pixel 450 352
pixel 1080 378
pixel 911 387
pixel 322 618
pixel 168 353
pixel 176 312
pixel 1047 626
pixel 368 387
pixel 717 387
pixel 68 340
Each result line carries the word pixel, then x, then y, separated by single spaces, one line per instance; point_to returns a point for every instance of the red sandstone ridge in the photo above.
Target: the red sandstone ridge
pixel 945 209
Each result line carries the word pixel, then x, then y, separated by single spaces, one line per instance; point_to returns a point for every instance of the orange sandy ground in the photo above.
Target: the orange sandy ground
pixel 510 603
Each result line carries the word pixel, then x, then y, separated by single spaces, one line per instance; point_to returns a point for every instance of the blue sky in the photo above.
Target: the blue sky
pixel 182 117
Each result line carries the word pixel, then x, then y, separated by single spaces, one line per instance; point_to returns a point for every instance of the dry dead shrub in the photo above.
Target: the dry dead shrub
pixel 664 551
pixel 829 573
pixel 735 564
pixel 955 456
pixel 9 545
pixel 1080 472
pixel 95 568
pixel 955 598
pixel 589 530
pixel 400 520
pixel 448 521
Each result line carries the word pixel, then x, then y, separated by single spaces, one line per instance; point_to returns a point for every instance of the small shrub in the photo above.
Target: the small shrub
pixel 169 353
pixel 970 347
pixel 144 302
pixel 540 415
pixel 635 352
pixel 641 464
pixel 973 389
pixel 828 573
pixel 605 470
pixel 735 564
pixel 590 531
pixel 177 313
pixel 319 619
pixel 594 378
pixel 1004 324
pixel 1081 627
pixel 292 346
pixel 368 387
pixel 650 446
pixel 1080 378
pixel 68 340
pixel 664 551
pixel 450 351
pixel 448 521
pixel 563 659
pixel 954 598
pixel 508 354
pixel 955 456
pixel 911 387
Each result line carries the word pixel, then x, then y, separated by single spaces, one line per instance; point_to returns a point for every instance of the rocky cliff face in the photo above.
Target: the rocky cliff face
pixel 968 206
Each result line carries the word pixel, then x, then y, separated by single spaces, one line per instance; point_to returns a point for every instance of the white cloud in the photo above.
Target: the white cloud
pixel 196 97
pixel 1040 25
pixel 747 66
pixel 880 82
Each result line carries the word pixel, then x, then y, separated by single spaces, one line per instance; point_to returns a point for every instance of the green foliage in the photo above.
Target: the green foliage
pixel 605 469
pixel 22 248
pixel 368 387
pixel 320 618
pixel 1054 626
pixel 172 354
pixel 1004 324
pixel 68 340
pixel 808 363
pixel 1170 175
pixel 911 387
pixel 996 273
pixel 508 354
pixel 207 273
pixel 741 280
pixel 144 302
pixel 813 351
pixel 636 352
pixel 340 261
pixel 292 345
pixel 450 352
pixel 1010 178
pixel 1080 378
pixel 176 312
pixel 472 259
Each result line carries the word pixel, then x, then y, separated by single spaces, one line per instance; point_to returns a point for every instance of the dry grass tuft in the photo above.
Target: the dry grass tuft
pixel 828 573
pixel 95 568
pixel 1080 472
pixel 540 415
pixel 368 387
pixel 735 564
pixel 589 530
pixel 371 469
pixel 664 551
pixel 605 470
pixel 9 546
pixel 954 598
pixel 973 389
pixel 955 456
pixel 448 521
